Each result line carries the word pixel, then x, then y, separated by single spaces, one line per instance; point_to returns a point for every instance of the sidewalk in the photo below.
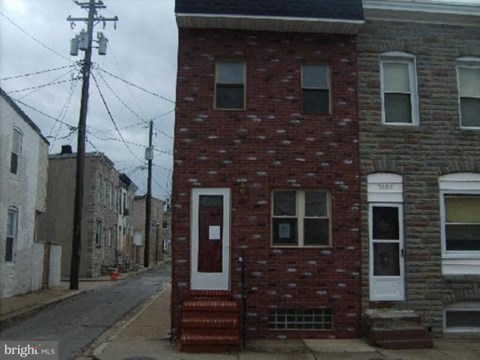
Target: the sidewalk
pixel 145 337
pixel 18 307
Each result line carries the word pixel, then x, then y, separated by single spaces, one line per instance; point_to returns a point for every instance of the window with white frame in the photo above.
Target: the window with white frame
pixel 230 85
pixel 399 89
pixel 316 89
pixel 301 218
pixel 17 140
pixel 468 70
pixel 460 223
pixel 12 227
pixel 462 317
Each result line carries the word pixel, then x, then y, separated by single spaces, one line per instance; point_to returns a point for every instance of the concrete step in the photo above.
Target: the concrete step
pixel 406 343
pixel 397 333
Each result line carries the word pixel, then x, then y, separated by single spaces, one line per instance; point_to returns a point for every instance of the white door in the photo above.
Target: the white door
pixel 386 252
pixel 210 239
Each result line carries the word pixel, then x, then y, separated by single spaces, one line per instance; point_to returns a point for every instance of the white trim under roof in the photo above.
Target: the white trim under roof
pixel 423 11
pixel 269 23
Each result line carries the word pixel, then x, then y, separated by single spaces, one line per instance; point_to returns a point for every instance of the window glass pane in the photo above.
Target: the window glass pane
pixel 396 77
pixel 316 203
pixel 230 73
pixel 463 237
pixel 316 232
pixel 315 76
pixel 462 209
pixel 229 97
pixel 17 142
pixel 11 223
pixel 9 250
pixel 316 101
pixel 469 80
pixel 470 111
pixel 284 203
pixel 386 259
pixel 14 163
pixel 464 319
pixel 385 223
pixel 398 108
pixel 285 231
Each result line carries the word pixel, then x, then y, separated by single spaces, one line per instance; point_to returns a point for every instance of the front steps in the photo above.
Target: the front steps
pixel 396 329
pixel 210 323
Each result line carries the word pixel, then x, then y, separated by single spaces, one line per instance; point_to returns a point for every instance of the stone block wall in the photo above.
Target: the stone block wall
pixel 421 154
pixel 271 145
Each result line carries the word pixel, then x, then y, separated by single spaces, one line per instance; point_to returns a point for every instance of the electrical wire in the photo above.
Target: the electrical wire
pixel 111 117
pixel 36 73
pixel 41 86
pixel 137 86
pixel 35 39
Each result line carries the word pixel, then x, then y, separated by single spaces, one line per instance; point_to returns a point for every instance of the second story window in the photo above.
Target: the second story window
pixel 230 85
pixel 16 151
pixel 399 89
pixel 315 89
pixel 469 92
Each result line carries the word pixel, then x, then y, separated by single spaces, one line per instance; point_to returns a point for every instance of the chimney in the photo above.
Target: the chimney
pixel 66 149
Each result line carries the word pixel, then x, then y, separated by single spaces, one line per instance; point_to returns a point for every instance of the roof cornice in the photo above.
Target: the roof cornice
pixel 269 23
pixel 423 11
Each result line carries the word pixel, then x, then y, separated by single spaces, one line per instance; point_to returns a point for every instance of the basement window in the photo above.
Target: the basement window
pixel 462 318
pixel 300 319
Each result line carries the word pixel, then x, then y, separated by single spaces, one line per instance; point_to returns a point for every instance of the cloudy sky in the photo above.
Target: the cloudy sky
pixel 136 79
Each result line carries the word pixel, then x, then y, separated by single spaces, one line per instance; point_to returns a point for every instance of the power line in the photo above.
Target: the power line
pixel 137 86
pixel 44 114
pixel 36 72
pixel 42 86
pixel 111 118
pixel 34 38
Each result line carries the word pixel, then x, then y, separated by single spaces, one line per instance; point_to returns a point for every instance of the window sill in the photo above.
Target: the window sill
pixel 461 265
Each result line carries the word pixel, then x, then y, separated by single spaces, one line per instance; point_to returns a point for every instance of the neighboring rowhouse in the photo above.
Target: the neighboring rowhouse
pixel 26 263
pixel 125 205
pixel 155 253
pixel 419 106
pixel 266 171
pixel 101 204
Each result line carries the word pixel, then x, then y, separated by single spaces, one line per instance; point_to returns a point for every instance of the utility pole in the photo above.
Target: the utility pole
pixel 148 199
pixel 85 44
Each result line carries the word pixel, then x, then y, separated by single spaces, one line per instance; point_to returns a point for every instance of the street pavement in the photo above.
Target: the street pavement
pixel 83 318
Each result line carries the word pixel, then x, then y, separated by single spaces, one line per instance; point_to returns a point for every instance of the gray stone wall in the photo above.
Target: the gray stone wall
pixel 420 153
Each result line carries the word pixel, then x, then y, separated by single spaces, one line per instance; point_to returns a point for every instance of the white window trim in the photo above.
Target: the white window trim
pixel 244 83
pixel 300 216
pixel 458 262
pixel 410 60
pixel 463 306
pixel 469 63
pixel 15 236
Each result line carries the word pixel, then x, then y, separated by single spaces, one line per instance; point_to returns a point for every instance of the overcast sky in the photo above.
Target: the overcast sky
pixel 35 36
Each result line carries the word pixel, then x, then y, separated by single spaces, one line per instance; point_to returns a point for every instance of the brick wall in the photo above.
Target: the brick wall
pixel 420 154
pixel 271 145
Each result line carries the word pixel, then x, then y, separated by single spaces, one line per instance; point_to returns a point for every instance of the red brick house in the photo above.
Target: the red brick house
pixel 266 172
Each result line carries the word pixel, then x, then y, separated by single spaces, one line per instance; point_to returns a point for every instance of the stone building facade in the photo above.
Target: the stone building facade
pixel 264 181
pixel 98 254
pixel 419 96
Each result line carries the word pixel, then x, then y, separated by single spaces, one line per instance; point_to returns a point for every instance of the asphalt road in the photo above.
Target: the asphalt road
pixel 77 322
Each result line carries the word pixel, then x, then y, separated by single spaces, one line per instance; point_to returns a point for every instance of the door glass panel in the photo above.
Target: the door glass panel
pixel 210 230
pixel 385 223
pixel 386 259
